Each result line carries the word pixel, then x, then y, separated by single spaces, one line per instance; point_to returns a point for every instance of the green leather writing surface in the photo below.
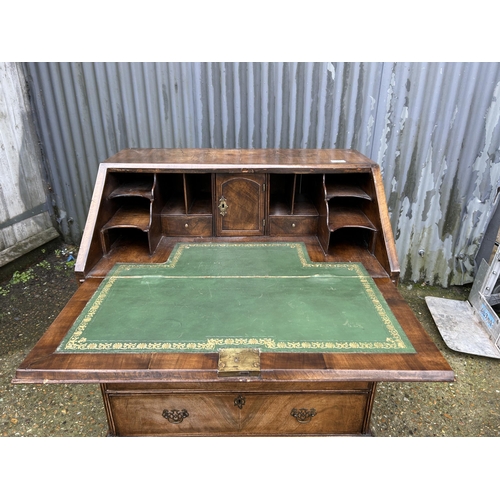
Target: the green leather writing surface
pixel 209 296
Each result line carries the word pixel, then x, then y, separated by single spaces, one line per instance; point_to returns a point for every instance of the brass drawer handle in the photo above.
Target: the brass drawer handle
pixel 175 416
pixel 303 416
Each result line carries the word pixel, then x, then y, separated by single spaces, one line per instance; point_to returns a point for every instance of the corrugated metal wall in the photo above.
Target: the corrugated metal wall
pixel 433 128
pixel 439 148
pixel 25 221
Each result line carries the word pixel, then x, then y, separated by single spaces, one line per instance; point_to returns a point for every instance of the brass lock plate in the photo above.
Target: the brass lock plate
pixel 223 206
pixel 239 362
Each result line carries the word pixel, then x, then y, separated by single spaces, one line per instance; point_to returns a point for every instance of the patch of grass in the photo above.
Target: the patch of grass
pixel 17 277
pixel 22 276
pixel 65 266
pixel 65 262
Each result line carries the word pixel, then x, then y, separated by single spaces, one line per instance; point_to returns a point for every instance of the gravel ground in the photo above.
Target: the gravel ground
pixel 31 298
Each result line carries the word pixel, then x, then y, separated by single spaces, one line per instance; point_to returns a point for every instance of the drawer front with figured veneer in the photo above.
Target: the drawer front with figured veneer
pixel 240 414
pixel 163 415
pixel 306 414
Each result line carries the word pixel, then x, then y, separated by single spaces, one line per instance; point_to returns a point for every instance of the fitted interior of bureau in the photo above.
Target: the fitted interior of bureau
pixel 141 211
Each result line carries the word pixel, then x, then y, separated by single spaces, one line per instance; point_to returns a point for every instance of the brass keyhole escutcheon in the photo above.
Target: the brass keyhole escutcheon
pixel 239 401
pixel 223 206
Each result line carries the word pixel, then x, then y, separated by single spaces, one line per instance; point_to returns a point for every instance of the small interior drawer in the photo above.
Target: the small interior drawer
pixel 293 224
pixel 187 225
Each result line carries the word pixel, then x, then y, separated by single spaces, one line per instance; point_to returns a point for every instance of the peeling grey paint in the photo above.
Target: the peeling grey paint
pixel 433 127
pixel 438 168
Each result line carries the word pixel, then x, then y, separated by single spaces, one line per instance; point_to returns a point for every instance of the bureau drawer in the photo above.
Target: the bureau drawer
pixel 187 225
pixel 239 414
pixel 161 415
pixel 292 224
pixel 305 413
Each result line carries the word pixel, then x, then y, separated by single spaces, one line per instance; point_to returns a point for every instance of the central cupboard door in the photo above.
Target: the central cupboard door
pixel 240 200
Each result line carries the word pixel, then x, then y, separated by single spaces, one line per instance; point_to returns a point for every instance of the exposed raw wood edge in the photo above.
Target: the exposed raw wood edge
pixel 88 231
pixel 392 256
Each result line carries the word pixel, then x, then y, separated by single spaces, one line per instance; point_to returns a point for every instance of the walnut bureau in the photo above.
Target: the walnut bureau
pixel 147 201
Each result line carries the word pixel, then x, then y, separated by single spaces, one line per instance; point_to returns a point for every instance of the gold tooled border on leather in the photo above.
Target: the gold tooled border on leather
pixel 393 342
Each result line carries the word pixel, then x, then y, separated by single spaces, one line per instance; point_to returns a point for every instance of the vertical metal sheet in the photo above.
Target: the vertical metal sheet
pixel 25 221
pixel 431 127
pixel 438 145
